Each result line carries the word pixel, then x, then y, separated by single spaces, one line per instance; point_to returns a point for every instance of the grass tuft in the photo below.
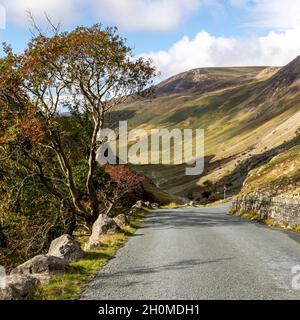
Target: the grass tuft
pixel 172 205
pixel 270 222
pixel 71 285
pixel 218 202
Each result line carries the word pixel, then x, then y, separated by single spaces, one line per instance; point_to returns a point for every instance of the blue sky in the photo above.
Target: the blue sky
pixel 223 20
pixel 177 34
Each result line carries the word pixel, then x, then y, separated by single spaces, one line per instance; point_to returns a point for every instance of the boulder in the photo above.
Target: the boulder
pixel 103 225
pixel 138 206
pixel 147 205
pixel 141 204
pixel 155 206
pixel 65 247
pixel 122 221
pixel 42 265
pixel 133 211
pixel 18 287
pixel 92 244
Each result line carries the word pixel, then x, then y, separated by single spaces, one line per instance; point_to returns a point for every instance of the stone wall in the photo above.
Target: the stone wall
pixel 283 210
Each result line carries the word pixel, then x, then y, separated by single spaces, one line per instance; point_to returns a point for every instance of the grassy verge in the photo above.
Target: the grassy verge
pixel 267 221
pixel 172 205
pixel 160 196
pixel 218 202
pixel 70 285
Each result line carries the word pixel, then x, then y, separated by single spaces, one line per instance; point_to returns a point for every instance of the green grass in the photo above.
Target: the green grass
pixel 160 196
pixel 172 205
pixel 270 222
pixel 70 285
pixel 237 122
pixel 280 174
pixel 218 202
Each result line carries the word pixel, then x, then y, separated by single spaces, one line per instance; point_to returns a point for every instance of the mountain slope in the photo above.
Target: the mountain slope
pixel 206 80
pixel 279 177
pixel 247 113
pixel 271 193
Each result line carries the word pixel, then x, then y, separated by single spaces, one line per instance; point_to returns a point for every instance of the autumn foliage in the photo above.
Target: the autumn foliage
pixel 124 180
pixel 85 72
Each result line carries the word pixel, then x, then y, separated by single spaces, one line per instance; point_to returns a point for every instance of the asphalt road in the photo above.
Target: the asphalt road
pixel 201 254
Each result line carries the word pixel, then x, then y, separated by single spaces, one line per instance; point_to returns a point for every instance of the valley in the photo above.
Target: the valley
pixel 249 115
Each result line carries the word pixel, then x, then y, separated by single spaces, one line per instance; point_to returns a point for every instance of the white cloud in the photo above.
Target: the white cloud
pixel 59 10
pixel 239 3
pixel 205 50
pixel 279 14
pixel 132 15
pixel 275 14
pixel 146 15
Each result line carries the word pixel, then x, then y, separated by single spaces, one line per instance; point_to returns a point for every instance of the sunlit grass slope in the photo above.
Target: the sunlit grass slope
pixel 244 111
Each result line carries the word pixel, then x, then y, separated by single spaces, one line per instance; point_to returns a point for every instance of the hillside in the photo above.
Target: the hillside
pixel 271 193
pixel 280 177
pixel 249 115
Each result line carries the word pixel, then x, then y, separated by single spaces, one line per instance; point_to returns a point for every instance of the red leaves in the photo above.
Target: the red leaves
pixel 33 130
pixel 123 176
pixel 32 127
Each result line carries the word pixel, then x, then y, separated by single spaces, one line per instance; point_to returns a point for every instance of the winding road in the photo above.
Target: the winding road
pixel 201 254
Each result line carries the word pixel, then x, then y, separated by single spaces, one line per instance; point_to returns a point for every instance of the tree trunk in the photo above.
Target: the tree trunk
pixel 90 220
pixel 109 209
pixel 92 163
pixel 3 239
pixel 71 224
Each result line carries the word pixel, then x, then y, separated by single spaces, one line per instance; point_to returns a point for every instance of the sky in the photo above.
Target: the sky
pixel 178 35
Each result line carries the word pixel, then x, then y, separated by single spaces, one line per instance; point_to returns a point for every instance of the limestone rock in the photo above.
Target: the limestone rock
pixel 42 264
pixel 122 221
pixel 18 287
pixel 140 205
pixel 154 206
pixel 65 247
pixel 103 225
pixel 281 209
pixel 92 244
pixel 147 205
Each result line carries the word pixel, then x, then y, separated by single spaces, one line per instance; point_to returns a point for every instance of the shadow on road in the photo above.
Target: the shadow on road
pixel 185 264
pixel 174 219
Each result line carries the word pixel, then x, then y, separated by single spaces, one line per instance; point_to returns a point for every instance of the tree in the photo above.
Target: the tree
pixel 2 238
pixel 88 72
pixel 123 180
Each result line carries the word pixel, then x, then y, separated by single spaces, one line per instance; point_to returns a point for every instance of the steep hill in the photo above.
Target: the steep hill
pixel 280 177
pixel 271 193
pixel 249 115
pixel 206 80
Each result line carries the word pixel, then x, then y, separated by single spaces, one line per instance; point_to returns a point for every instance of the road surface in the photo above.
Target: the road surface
pixel 201 254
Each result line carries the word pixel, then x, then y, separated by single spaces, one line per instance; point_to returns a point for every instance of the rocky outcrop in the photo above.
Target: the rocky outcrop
pixel 65 247
pixel 18 287
pixel 142 205
pixel 23 280
pixel 122 221
pixel 281 209
pixel 42 265
pixel 154 206
pixel 103 225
